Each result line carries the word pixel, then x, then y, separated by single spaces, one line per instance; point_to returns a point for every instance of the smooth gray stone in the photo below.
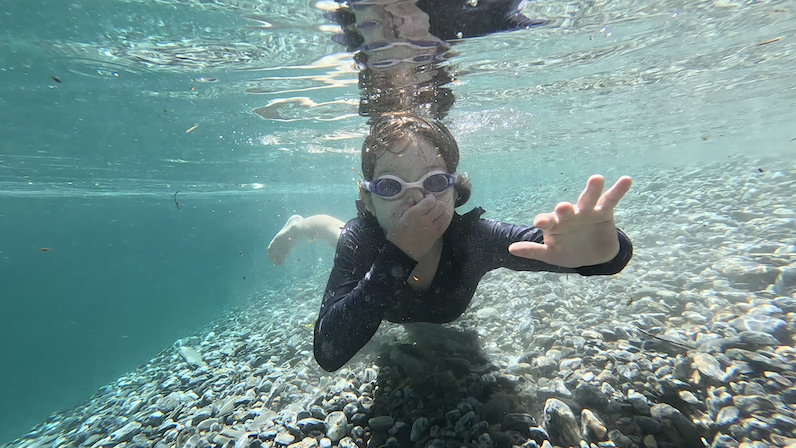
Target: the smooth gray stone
pixel 418 428
pixel 728 416
pixel 709 367
pixel 752 403
pixel 496 408
pixel 753 340
pixel 757 360
pixel 720 345
pixel 684 427
pixel 346 442
pixel 169 402
pixel 591 397
pixel 464 422
pixel 785 284
pixel 310 424
pixel 126 432
pixel 318 412
pixel 783 421
pixel 191 356
pixel 205 425
pixel 767 324
pixel 155 419
pixel 648 425
pixel 519 422
pixel 724 441
pixel 619 439
pixel 382 423
pixel 201 415
pixel 284 438
pixel 560 423
pixel 336 426
pixel 538 434
pixel 786 304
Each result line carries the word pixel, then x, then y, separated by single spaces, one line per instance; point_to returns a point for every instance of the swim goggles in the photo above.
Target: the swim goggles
pixel 392 187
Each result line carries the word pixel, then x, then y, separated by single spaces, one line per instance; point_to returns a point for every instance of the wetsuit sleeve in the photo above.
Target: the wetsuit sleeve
pixel 367 271
pixel 494 238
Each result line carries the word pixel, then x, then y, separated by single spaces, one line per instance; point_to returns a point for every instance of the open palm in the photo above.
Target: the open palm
pixel 579 235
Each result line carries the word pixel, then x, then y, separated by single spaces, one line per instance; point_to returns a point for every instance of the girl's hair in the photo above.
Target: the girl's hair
pixel 390 132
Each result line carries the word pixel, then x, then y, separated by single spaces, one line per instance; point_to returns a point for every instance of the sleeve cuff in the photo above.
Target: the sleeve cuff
pixel 614 266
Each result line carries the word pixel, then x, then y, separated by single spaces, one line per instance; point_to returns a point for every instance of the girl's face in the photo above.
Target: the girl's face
pixel 419 158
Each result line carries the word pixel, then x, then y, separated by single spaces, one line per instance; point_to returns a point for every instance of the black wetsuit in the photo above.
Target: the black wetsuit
pixel 368 280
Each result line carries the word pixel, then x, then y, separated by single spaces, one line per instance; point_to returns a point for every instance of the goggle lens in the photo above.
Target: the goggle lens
pixel 388 187
pixel 436 183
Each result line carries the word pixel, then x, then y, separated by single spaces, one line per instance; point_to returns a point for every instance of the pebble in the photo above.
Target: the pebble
pixel 591 427
pixel 761 323
pixel 382 423
pixel 728 416
pixel 284 439
pixel 560 424
pixel 752 403
pixel 336 424
pixel 639 402
pixel 418 428
pixel 707 365
pixel 619 439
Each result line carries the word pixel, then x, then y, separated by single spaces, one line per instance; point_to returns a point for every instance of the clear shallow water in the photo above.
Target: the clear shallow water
pixel 89 165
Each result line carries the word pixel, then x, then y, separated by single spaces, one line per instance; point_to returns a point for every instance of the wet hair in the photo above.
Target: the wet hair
pixel 388 134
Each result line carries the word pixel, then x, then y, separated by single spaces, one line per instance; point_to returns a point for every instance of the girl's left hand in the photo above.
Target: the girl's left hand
pixel 578 235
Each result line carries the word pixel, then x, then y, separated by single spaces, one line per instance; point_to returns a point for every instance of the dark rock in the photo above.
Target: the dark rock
pixel 496 408
pixel 591 397
pixel 538 434
pixel 647 425
pixel 757 360
pixel 720 344
pixel 619 439
pixel 317 412
pixel 519 422
pixel 753 340
pixel 382 423
pixel 360 419
pixel 752 403
pixel 677 426
pixel 500 439
pixel 788 395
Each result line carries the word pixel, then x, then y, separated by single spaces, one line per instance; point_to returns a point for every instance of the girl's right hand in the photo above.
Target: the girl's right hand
pixel 420 226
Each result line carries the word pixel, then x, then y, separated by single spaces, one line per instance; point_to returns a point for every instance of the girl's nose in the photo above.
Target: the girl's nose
pixel 415 194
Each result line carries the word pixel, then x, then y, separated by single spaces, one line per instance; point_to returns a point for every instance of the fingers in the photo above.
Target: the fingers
pixel 564 210
pixel 545 221
pixel 614 194
pixel 591 194
pixel 526 249
pixel 424 206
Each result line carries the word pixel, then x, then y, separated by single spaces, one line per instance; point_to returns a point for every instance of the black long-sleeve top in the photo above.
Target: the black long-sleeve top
pixel 368 280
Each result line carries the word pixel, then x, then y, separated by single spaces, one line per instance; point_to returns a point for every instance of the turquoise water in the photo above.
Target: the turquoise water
pixel 108 108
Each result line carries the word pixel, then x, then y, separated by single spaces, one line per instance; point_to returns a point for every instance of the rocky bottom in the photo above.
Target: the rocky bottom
pixel 690 346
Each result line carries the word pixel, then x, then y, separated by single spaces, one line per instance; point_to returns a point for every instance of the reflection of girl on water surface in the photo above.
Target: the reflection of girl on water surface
pixel 407 256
